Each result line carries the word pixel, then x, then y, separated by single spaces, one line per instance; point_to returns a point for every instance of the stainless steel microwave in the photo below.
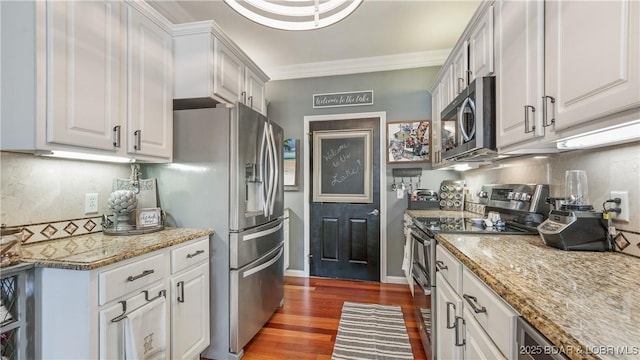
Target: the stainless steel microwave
pixel 468 123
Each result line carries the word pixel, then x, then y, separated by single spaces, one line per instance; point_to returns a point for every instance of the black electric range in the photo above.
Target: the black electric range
pixel 434 225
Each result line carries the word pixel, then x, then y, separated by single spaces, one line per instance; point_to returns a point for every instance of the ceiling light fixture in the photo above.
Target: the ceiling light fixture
pixel 294 14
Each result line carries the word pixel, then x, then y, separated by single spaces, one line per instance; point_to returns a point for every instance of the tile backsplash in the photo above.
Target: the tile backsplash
pixel 40 190
pixel 611 168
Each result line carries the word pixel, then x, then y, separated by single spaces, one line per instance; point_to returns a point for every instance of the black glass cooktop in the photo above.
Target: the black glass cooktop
pixel 433 225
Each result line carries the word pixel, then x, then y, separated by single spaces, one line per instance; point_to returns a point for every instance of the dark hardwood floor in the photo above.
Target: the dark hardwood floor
pixel 306 326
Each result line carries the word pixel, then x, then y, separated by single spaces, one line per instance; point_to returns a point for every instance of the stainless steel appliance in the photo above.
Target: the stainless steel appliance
pixel 227 176
pixel 576 226
pixel 520 208
pixel 534 346
pixel 469 123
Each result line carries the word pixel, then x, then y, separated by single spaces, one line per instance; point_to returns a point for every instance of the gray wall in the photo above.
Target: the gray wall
pixel 402 94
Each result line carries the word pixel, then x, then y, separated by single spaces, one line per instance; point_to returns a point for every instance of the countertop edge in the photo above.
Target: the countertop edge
pixel 557 335
pixel 71 265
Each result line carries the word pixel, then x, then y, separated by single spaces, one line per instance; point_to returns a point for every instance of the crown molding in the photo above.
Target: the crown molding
pixel 360 65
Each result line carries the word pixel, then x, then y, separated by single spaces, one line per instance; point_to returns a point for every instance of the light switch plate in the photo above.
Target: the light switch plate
pixel 399 193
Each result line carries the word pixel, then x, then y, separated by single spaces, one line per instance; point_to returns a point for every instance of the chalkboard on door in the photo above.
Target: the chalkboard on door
pixel 342 166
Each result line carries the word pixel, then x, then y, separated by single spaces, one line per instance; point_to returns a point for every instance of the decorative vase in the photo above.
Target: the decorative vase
pixel 122 203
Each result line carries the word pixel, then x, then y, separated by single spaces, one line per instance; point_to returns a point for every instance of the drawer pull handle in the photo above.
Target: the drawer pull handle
pixel 449 317
pixel 181 287
pixel 189 256
pixel 144 273
pixel 458 328
pixel 441 266
pixel 473 301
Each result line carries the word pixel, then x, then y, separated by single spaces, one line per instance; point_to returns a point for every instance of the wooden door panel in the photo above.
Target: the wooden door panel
pixel 345 237
pixel 358 241
pixel 329 239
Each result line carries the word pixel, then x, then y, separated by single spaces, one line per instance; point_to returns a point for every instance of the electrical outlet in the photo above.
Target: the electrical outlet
pixel 624 206
pixel 90 203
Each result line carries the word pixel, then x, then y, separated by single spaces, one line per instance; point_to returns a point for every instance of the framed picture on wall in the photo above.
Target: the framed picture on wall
pixel 409 141
pixel 291 161
pixel 343 166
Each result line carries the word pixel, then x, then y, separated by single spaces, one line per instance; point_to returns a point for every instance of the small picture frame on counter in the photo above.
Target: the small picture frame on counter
pixel 148 218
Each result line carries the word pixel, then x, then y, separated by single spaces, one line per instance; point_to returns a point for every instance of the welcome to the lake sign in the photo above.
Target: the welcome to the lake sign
pixel 350 98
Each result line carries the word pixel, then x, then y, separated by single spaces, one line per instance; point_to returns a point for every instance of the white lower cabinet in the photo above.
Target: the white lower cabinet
pixel 473 322
pixel 80 314
pixel 448 314
pixel 190 312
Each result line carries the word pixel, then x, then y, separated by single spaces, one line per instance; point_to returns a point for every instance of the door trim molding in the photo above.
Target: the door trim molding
pixel 383 183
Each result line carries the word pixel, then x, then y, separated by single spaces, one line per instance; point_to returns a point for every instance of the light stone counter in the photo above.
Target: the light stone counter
pixel 87 252
pixel 587 303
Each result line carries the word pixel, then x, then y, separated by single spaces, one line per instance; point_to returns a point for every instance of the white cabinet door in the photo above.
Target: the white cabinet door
pixel 448 310
pixel 520 70
pixel 85 73
pixel 254 86
pixel 150 84
pixel 478 345
pixel 436 143
pixel 481 47
pixel 591 59
pixel 228 78
pixel 460 69
pixel 111 340
pixel 447 87
pixel 190 312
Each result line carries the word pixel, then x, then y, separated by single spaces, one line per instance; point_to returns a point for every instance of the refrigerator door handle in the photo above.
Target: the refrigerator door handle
pixel 263 160
pixel 274 170
pixel 263 266
pixel 269 162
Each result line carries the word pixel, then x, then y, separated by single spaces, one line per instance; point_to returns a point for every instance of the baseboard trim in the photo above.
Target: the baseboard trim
pixel 294 273
pixel 397 280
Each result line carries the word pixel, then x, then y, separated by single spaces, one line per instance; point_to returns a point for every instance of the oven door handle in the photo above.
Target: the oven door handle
pixel 419 238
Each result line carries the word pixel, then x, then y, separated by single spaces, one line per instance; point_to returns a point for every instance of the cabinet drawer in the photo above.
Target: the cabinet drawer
pixel 127 278
pixel 188 255
pixel 493 314
pixel 450 268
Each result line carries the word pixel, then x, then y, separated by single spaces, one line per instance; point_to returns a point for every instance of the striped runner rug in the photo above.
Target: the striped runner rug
pixel 371 331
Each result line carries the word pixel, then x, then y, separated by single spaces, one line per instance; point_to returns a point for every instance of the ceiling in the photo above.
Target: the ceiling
pixel 379 35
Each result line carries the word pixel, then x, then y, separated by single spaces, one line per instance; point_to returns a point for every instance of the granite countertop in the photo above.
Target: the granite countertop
pixel 587 303
pixel 442 213
pixel 87 252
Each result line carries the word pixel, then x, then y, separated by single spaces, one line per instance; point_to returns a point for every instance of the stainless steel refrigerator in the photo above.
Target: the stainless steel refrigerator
pixel 227 176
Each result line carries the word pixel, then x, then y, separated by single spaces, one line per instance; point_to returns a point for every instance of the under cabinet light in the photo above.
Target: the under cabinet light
pixel 608 136
pixel 88 157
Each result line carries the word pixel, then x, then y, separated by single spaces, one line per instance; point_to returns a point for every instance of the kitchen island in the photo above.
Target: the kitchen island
pixel 585 303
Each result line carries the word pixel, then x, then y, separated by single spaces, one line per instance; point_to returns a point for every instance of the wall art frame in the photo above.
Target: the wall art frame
pixel 291 164
pixel 409 141
pixel 343 166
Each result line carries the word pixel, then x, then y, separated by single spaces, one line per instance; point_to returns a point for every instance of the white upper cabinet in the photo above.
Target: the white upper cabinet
pixel 211 69
pixel 228 74
pixel 519 70
pixel 436 143
pixel 150 105
pixel 86 77
pixel 481 47
pixel 460 69
pixel 591 59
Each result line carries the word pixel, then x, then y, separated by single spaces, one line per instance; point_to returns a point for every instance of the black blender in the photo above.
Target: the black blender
pixel 576 225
